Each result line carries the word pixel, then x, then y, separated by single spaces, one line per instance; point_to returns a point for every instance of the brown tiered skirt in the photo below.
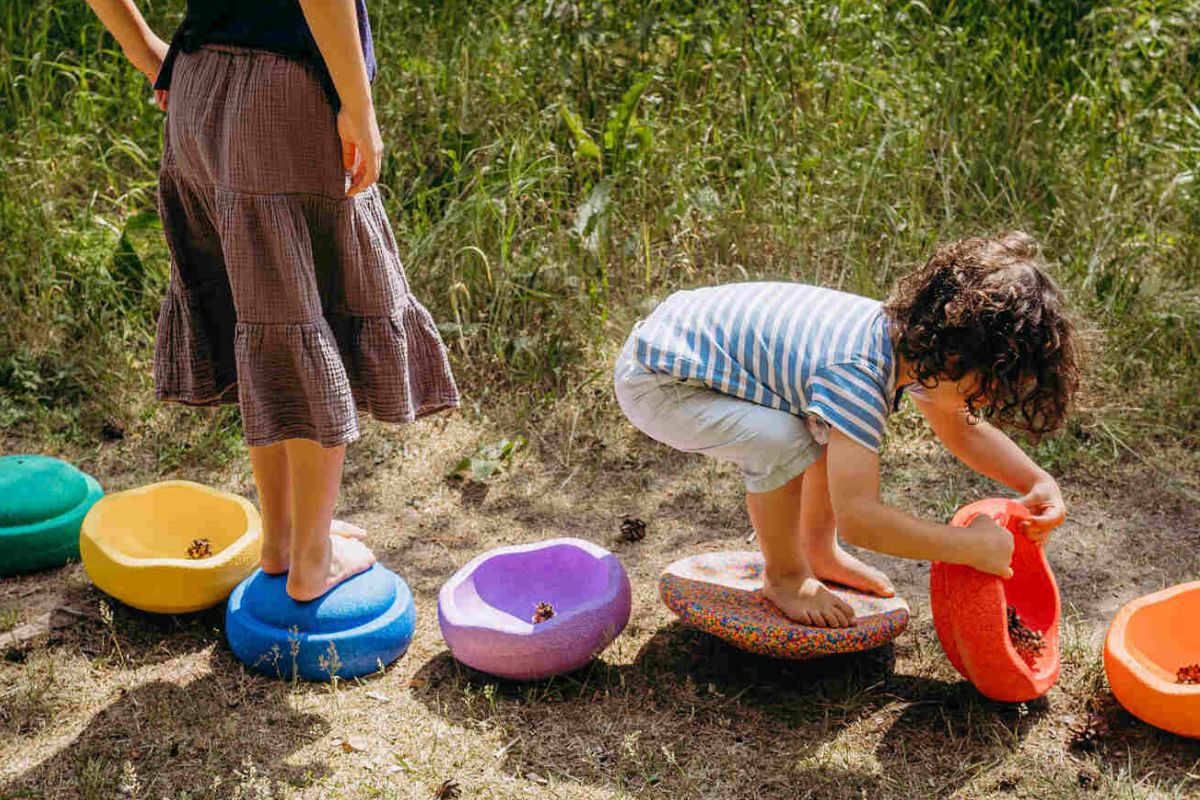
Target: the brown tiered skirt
pixel 285 295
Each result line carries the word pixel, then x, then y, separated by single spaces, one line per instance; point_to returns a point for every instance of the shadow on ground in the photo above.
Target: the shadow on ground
pixel 693 716
pixel 163 737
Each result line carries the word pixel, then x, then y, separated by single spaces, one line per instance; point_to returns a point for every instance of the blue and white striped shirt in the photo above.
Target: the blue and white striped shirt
pixel 806 350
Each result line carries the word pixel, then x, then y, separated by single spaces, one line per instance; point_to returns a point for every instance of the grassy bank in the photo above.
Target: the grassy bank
pixel 552 166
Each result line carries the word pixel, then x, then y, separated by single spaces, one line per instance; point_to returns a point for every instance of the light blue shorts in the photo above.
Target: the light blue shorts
pixel 769 445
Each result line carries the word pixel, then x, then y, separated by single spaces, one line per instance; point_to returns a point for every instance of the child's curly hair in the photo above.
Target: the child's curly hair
pixel 986 305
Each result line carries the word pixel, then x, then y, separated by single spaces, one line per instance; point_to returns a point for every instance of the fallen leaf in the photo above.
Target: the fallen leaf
pixel 418 683
pixel 355 744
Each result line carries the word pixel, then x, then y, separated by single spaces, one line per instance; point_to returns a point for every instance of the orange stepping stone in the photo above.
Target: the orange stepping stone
pixel 1151 644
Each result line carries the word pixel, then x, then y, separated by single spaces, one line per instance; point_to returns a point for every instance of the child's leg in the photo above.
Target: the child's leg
pixel 270 466
pixel 772 447
pixel 319 560
pixel 274 484
pixel 818 535
pixel 789 581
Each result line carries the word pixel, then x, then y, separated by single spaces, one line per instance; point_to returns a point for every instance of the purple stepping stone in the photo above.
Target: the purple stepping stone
pixel 487 608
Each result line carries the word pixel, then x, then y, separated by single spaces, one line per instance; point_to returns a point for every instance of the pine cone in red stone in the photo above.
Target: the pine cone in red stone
pixel 1189 674
pixel 1028 643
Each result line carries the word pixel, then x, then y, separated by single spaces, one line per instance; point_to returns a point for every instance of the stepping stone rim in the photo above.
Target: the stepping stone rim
pixel 230 552
pixel 468 639
pixel 51 542
pixel 81 488
pixel 183 585
pixel 678 590
pixel 240 625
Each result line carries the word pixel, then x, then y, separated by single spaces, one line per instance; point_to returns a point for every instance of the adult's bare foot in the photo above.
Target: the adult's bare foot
pixel 838 566
pixel 315 573
pixel 807 601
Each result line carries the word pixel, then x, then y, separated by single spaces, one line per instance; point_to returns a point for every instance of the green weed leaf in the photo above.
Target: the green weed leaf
pixel 488 460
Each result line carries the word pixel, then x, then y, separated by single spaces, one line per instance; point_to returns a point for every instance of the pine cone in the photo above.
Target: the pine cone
pixel 1189 674
pixel 633 529
pixel 200 548
pixel 447 791
pixel 1028 643
pixel 544 612
pixel 1087 733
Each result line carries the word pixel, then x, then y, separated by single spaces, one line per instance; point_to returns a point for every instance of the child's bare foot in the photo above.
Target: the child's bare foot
pixel 348 529
pixel 276 555
pixel 312 575
pixel 807 601
pixel 838 566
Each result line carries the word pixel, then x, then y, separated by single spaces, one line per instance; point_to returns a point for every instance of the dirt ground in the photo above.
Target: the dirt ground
pixel 142 706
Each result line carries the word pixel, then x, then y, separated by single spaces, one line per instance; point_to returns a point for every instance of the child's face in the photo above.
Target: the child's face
pixel 952 395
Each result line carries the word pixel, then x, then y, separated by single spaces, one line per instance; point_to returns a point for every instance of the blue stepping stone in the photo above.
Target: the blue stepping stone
pixel 43 502
pixel 357 629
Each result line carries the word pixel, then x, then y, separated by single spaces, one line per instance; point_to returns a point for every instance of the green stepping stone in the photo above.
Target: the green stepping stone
pixel 42 504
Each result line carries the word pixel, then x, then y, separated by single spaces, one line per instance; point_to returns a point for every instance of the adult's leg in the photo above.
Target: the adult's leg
pixel 818 538
pixel 319 560
pixel 789 581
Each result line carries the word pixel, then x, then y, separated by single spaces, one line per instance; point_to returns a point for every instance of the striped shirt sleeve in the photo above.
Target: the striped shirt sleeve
pixel 852 398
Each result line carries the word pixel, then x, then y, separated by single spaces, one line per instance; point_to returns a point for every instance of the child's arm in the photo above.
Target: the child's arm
pixel 141 45
pixel 864 520
pixel 334 26
pixel 990 452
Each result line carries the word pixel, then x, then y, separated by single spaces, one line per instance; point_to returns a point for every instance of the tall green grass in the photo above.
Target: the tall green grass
pixel 554 166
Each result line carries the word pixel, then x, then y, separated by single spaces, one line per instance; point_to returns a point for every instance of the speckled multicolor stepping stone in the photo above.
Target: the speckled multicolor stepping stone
pixel 721 594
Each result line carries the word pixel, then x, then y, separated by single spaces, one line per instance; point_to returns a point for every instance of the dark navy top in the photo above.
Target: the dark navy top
pixel 275 25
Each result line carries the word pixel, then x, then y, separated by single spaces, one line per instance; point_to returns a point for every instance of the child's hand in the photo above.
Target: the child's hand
pixel 1046 504
pixel 362 146
pixel 990 547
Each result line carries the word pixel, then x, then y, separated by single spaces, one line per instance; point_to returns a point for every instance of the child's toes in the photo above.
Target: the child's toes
pixel 883 586
pixel 845 610
pixel 348 530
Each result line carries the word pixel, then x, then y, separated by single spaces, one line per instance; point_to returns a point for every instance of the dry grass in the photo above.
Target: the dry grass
pixel 665 713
